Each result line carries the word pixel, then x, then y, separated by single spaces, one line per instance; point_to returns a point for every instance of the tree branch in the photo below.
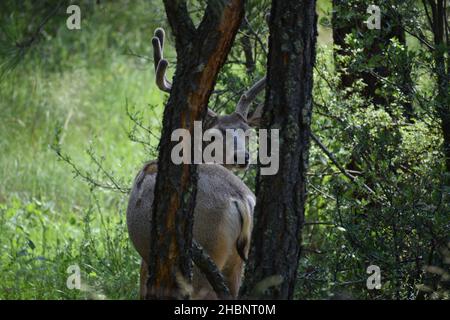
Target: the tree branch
pixel 200 55
pixel 338 165
pixel 207 266
pixel 180 22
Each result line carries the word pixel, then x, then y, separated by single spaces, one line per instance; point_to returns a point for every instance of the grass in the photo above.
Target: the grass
pixel 77 83
pixel 80 82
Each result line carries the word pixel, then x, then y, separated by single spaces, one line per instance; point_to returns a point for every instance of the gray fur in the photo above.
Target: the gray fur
pixel 217 221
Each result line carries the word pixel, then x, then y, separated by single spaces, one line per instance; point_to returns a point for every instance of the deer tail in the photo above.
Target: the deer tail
pixel 245 211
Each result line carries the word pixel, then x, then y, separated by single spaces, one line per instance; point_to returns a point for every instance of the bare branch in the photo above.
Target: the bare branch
pixel 256 35
pixel 210 270
pixel 339 166
pixel 85 175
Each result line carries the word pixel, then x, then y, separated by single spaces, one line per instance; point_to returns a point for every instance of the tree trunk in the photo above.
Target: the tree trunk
pixel 279 213
pixel 201 53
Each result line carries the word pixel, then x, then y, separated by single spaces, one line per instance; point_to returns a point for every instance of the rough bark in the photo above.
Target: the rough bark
pixel 247 47
pixel 201 53
pixel 209 269
pixel 279 213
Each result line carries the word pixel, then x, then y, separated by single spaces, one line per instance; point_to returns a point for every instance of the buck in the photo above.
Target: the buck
pixel 223 214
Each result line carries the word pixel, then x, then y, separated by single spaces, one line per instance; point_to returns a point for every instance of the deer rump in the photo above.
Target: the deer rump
pixel 223 217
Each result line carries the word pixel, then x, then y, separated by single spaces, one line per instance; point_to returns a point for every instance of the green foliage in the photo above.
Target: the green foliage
pixel 92 87
pixel 38 244
pixel 395 213
pixel 88 98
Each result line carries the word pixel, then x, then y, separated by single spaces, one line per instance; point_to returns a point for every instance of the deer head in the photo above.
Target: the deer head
pixel 231 125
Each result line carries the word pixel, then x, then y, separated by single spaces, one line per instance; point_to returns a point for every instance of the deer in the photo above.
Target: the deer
pixel 223 213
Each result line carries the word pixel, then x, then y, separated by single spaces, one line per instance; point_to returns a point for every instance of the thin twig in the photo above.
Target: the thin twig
pixel 338 165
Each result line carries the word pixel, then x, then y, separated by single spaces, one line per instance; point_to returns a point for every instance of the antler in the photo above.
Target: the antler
pixel 248 96
pixel 160 63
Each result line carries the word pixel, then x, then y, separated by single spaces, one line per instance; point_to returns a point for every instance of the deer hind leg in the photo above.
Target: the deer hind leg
pixel 202 287
pixel 143 280
pixel 233 274
pixel 218 248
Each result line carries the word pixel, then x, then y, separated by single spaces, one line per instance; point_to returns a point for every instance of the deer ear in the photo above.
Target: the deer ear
pixel 254 120
pixel 210 118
